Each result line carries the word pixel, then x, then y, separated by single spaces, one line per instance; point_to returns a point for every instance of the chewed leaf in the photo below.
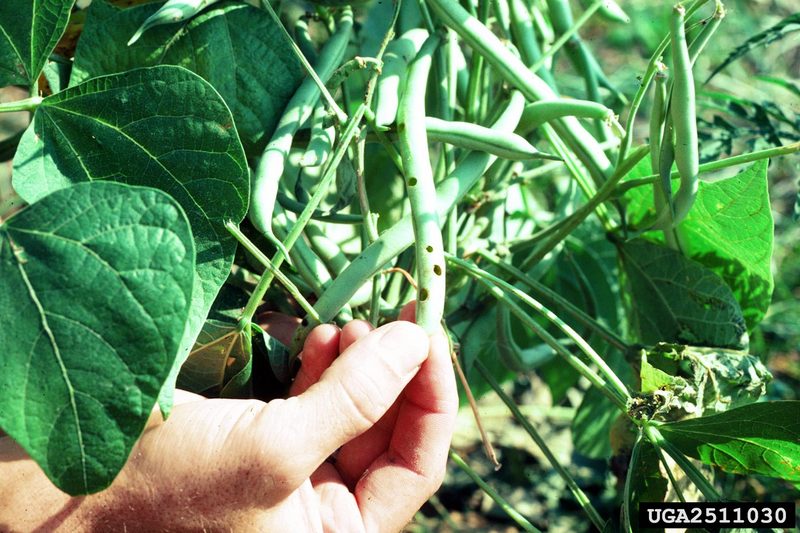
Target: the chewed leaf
pixel 96 289
pixel 171 12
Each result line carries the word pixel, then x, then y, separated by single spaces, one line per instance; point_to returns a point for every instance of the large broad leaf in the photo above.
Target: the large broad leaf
pixel 235 47
pixel 29 30
pixel 761 438
pixel 163 127
pixel 95 288
pixel 675 299
pixel 729 230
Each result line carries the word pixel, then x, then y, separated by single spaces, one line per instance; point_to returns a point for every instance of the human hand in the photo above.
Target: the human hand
pixel 360 446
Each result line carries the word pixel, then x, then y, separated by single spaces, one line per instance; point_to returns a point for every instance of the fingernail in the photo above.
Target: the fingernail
pixel 405 338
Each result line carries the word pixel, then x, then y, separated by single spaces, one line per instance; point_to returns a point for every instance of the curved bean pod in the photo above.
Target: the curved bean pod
pixel 270 167
pixel 391 81
pixel 684 118
pixel 171 12
pixel 525 38
pixel 538 113
pixel 422 191
pixel 320 143
pixel 475 137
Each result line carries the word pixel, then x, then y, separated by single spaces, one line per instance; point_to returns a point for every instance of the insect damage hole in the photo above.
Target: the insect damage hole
pixel 423 295
pixel 429 249
pixel 437 270
pixel 412 182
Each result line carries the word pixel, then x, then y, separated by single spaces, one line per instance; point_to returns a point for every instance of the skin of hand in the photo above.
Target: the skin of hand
pixel 359 445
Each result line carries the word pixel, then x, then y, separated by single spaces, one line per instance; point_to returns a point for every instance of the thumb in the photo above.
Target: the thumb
pixel 356 391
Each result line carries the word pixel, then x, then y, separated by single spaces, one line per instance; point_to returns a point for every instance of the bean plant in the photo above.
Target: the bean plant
pixel 193 165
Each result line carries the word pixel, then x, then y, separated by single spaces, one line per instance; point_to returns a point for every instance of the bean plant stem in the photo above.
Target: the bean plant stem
pixel 515 515
pixel 341 116
pixel 700 481
pixel 727 162
pixel 579 495
pixel 626 494
pixel 609 382
pixel 545 292
pixel 567 35
pixel 271 268
pixel 28 104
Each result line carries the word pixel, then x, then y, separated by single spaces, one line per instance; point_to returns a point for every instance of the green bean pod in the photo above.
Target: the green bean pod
pixel 171 12
pixel 538 113
pixel 475 137
pixel 503 16
pixel 702 39
pixel 270 167
pixel 391 81
pixel 511 68
pixel 524 37
pixel 320 143
pixel 331 254
pixel 611 11
pixel 421 190
pixel 304 41
pixel 658 117
pixel 684 118
pixel 400 236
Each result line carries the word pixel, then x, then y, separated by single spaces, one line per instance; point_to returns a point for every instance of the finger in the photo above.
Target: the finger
pixel 408 312
pixel 351 396
pixel 338 508
pixel 352 331
pixel 319 351
pixel 279 326
pixel 399 482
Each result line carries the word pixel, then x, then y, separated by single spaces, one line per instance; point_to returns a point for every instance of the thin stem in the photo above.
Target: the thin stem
pixel 700 481
pixel 545 292
pixel 485 487
pixel 609 382
pixel 579 495
pixel 668 470
pixel 322 190
pixel 28 104
pixel 742 159
pixel 341 116
pixel 290 287
pixel 563 228
pixel 567 35
pixel 626 495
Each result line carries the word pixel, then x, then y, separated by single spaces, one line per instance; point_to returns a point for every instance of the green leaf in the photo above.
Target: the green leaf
pixel 163 127
pixel 220 353
pixel 237 48
pixel 96 285
pixel 29 31
pixel 729 230
pixel 761 438
pixel 675 299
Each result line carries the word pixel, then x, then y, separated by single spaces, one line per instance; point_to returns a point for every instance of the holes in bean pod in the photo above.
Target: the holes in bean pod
pixel 423 295
pixel 437 270
pixel 412 182
pixel 429 249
